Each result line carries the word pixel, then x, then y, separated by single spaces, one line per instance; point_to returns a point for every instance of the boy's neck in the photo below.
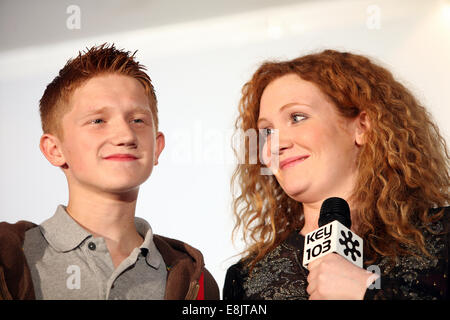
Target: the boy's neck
pixel 109 216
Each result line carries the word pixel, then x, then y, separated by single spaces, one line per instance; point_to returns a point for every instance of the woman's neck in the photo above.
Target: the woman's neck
pixel 311 212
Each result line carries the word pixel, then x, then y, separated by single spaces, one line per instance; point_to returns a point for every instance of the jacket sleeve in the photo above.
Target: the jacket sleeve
pixel 210 286
pixel 15 276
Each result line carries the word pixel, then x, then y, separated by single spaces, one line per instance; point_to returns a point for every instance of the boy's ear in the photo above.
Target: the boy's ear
pixel 49 145
pixel 362 127
pixel 159 146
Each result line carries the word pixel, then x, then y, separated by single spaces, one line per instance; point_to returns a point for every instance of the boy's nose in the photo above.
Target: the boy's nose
pixel 124 135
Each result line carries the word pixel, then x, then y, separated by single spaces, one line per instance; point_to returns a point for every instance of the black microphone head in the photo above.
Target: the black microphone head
pixel 335 209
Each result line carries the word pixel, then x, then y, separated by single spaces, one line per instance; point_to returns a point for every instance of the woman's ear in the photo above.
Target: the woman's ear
pixel 50 148
pixel 362 127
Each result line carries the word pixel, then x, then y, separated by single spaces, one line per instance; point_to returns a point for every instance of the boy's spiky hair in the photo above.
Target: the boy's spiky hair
pixel 95 61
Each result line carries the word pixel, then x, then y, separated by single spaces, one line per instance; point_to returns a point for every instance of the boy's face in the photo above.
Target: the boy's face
pixel 110 143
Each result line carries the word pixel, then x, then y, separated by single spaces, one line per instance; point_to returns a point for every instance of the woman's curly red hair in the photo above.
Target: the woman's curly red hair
pixel 403 169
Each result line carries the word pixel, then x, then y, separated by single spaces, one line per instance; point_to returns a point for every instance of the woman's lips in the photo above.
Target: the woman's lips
pixel 290 162
pixel 121 157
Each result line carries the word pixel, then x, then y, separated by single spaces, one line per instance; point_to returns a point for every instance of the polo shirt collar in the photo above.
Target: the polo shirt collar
pixel 148 247
pixel 64 234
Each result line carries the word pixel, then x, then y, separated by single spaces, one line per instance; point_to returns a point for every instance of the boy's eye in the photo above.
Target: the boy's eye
pixel 97 121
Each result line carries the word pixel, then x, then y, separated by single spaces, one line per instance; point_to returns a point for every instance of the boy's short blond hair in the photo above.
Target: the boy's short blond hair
pixel 97 60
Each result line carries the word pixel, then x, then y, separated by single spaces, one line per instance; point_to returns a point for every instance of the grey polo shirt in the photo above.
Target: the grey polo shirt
pixel 67 262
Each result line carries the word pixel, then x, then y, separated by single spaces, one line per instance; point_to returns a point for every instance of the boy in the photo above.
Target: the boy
pixel 99 118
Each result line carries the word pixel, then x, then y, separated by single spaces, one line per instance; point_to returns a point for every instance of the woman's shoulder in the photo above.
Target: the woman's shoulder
pixel 436 234
pixel 437 210
pixel 237 269
pixel 441 225
pixel 419 275
pixel 234 279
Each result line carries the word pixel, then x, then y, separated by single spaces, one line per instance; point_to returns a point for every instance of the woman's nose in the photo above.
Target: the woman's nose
pixel 280 141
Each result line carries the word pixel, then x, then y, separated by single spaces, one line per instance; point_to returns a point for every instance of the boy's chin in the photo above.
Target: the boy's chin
pixel 118 190
pixel 122 187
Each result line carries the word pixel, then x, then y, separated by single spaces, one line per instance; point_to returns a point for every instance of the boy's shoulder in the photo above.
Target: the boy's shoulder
pixel 184 262
pixel 176 247
pixel 17 282
pixel 186 266
pixel 13 234
pixel 176 252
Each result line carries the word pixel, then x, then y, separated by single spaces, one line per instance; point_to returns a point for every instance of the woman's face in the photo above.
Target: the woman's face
pixel 317 148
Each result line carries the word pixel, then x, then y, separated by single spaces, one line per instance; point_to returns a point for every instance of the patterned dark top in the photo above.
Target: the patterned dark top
pixel 281 276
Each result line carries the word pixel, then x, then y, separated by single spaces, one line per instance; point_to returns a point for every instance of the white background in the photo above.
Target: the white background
pixel 198 66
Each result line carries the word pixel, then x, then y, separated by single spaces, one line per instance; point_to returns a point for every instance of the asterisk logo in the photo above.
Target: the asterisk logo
pixel 350 245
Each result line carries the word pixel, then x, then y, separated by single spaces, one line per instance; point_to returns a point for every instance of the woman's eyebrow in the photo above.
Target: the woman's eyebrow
pixel 291 104
pixel 261 120
pixel 287 105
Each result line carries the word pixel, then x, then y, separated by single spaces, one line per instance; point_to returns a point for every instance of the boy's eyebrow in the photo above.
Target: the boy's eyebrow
pixel 106 108
pixel 95 111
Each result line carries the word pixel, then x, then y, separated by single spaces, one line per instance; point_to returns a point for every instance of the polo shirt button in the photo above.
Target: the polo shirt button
pixel 92 246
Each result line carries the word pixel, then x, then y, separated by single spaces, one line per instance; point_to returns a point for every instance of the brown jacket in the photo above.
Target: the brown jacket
pixel 185 267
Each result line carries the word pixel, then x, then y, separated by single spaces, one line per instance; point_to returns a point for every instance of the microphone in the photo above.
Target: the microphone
pixel 334 234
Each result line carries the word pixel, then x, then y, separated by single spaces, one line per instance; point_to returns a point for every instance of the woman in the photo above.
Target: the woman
pixel 338 125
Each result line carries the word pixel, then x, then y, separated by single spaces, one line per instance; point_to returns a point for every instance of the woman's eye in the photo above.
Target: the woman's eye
pixel 138 120
pixel 267 131
pixel 297 117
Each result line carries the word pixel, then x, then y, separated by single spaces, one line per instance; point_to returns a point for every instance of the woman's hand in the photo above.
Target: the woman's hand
pixel 333 277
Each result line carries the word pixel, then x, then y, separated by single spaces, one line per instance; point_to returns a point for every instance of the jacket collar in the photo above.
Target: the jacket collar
pixel 184 264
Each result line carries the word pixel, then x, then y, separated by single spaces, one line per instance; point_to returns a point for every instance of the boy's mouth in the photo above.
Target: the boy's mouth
pixel 121 157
